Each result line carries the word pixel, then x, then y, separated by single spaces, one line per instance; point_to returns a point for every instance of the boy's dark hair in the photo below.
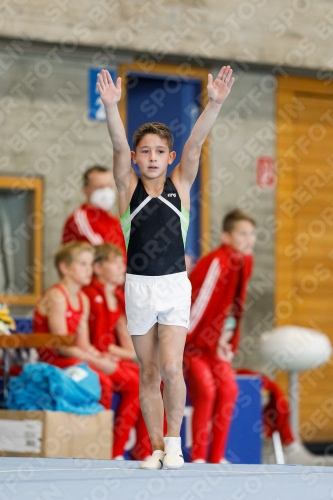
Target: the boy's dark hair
pixel 68 252
pixel 234 216
pixel 95 168
pixel 103 251
pixel 153 128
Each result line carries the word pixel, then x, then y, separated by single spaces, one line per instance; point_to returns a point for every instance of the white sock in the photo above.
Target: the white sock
pixel 176 441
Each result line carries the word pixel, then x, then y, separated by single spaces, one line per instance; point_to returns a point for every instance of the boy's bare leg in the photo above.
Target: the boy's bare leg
pixel 146 348
pixel 171 350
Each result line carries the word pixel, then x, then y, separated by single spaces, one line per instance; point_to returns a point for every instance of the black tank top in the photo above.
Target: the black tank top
pixel 155 231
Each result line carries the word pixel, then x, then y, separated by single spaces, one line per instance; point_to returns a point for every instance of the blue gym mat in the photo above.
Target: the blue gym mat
pixel 78 479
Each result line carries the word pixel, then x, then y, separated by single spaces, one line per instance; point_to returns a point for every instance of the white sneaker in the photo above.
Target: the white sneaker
pixel 119 457
pixel 173 454
pixel 224 461
pixel 199 461
pixel 154 462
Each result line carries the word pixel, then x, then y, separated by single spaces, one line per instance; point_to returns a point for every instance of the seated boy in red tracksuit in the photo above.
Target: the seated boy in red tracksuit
pixel 64 309
pixel 219 283
pixel 108 333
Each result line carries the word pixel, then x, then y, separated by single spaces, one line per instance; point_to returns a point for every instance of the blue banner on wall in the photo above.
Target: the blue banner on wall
pixel 95 106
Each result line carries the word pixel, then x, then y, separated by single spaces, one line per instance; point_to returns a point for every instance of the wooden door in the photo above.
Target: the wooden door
pixel 304 267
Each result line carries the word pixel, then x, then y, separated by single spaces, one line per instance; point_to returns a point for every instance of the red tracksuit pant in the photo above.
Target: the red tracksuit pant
pixel 125 381
pixel 213 393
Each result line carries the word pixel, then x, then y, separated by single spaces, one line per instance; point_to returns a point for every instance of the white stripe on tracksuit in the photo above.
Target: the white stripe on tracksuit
pixel 205 294
pixel 85 228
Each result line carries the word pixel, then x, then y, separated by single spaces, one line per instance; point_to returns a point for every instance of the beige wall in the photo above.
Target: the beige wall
pixel 291 32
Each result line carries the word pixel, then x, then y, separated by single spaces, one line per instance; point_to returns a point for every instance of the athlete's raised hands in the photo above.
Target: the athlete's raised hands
pixel 219 89
pixel 109 92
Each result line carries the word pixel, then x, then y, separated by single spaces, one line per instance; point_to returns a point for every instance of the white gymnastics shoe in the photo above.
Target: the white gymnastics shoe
pixel 154 462
pixel 173 453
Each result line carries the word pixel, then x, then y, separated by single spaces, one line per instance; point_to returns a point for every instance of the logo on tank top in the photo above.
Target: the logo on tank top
pixel 172 194
pixel 98 299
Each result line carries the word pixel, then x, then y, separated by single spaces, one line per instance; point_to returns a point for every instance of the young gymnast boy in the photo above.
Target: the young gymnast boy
pixel 108 333
pixel 154 213
pixel 64 309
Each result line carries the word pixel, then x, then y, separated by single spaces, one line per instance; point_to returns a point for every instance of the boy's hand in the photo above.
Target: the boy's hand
pixel 112 356
pixel 224 351
pixel 106 365
pixel 109 92
pixel 219 90
pixel 93 351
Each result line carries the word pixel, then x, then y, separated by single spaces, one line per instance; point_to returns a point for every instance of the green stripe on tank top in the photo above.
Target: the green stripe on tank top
pixel 184 225
pixel 126 229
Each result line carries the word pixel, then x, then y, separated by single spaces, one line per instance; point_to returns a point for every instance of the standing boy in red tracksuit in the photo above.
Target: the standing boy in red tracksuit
pixel 219 283
pixel 109 334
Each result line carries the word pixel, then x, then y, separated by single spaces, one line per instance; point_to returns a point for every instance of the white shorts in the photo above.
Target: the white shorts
pixel 157 299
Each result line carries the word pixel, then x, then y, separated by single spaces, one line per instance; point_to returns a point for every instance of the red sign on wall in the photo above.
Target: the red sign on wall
pixel 265 172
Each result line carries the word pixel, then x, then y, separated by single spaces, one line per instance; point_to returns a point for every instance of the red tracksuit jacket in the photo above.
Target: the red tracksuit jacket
pixel 219 283
pixel 94 225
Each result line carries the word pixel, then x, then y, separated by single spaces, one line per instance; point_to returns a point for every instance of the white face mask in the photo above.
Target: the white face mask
pixel 103 198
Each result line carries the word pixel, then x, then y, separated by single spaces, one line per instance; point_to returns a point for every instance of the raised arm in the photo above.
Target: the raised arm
pixel 110 95
pixel 218 90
